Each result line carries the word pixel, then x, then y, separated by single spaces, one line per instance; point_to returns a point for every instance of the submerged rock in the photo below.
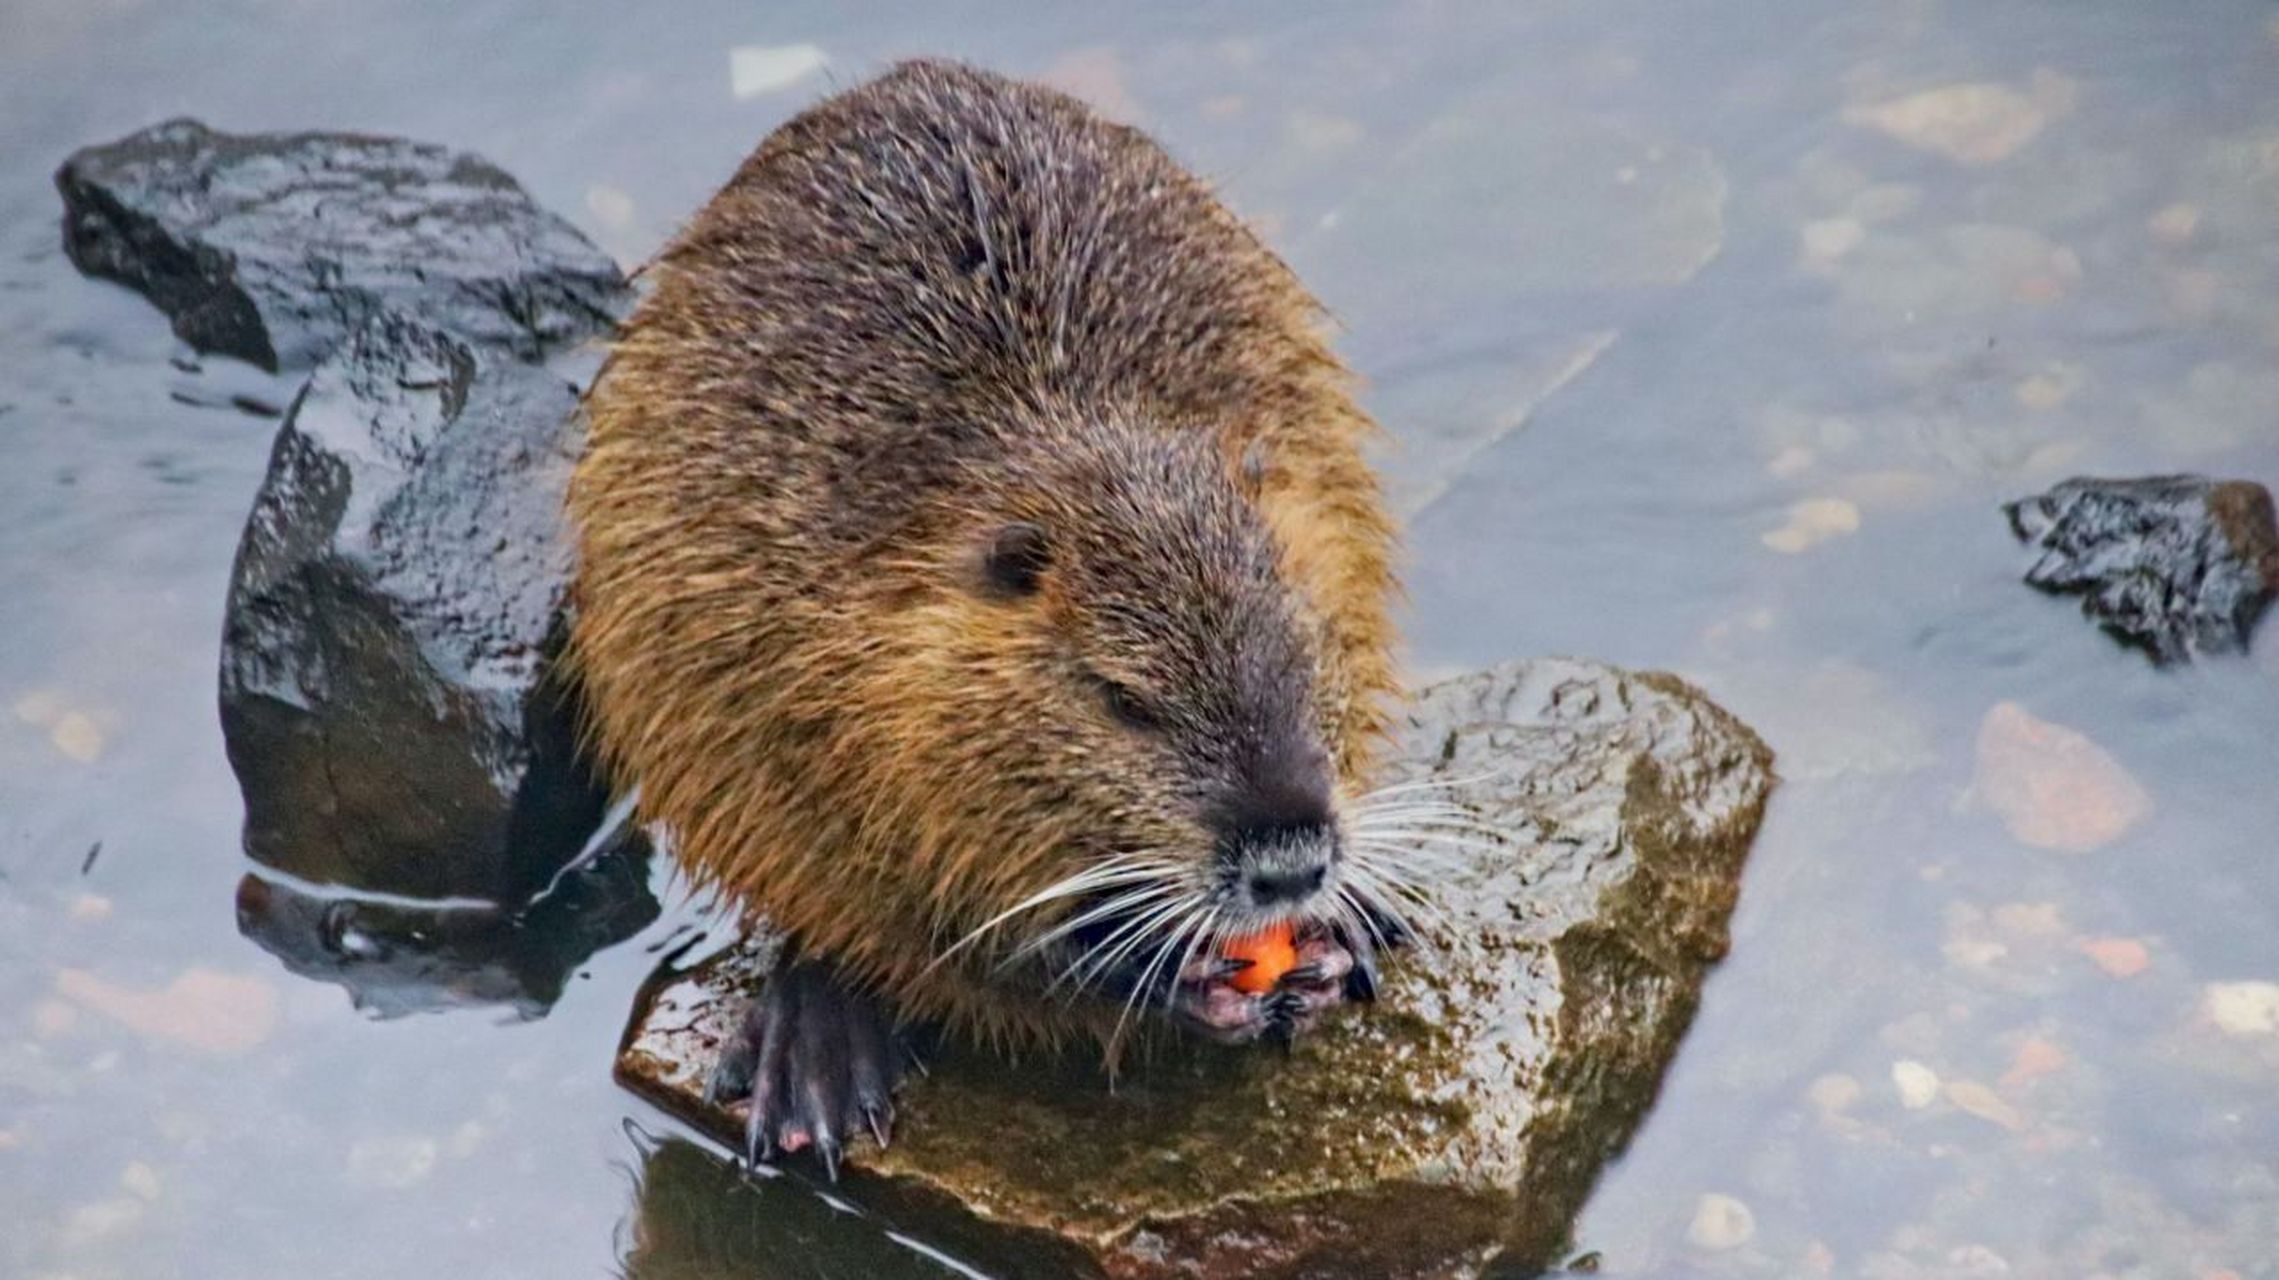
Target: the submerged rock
pixel 2053 786
pixel 206 1010
pixel 275 247
pixel 1973 124
pixel 2175 565
pixel 398 591
pixel 1456 1125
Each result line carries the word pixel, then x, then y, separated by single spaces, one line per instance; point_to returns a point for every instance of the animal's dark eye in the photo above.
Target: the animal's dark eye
pixel 1014 563
pixel 1128 708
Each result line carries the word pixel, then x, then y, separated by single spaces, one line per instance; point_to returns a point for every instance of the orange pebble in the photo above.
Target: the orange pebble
pixel 2035 1057
pixel 1272 952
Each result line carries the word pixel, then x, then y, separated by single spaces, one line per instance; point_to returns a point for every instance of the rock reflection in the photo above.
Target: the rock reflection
pixel 699 1217
pixel 397 956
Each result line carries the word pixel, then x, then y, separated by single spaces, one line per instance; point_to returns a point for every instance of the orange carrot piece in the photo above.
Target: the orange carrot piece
pixel 1272 952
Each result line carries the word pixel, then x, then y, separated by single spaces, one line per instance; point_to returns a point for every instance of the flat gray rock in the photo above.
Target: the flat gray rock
pixel 275 247
pixel 1457 1125
pixel 398 593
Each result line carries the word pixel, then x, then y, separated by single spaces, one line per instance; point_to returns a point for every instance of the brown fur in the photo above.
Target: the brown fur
pixel 934 304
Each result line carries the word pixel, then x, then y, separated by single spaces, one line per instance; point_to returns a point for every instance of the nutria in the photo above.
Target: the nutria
pixel 981 579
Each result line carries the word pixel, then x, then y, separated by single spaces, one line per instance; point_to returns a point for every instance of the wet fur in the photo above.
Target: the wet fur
pixel 930 305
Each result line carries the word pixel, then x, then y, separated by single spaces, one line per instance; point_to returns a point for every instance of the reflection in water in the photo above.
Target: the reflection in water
pixel 398 957
pixel 698 1216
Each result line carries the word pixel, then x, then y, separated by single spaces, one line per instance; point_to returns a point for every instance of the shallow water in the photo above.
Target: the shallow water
pixel 1707 347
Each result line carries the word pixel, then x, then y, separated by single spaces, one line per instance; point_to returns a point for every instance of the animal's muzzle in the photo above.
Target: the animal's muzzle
pixel 1280 868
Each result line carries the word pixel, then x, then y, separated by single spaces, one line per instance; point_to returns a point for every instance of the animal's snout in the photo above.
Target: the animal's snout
pixel 1280 863
pixel 1277 828
pixel 1271 887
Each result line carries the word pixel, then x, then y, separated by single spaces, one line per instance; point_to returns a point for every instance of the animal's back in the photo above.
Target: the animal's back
pixel 906 268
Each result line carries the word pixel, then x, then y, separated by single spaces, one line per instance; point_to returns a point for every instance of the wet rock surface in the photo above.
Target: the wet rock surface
pixel 1454 1128
pixel 397 593
pixel 2175 565
pixel 274 248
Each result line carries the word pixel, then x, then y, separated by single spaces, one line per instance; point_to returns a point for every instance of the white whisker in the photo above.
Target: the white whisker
pixel 1109 951
pixel 1401 902
pixel 1350 908
pixel 1410 806
pixel 1388 804
pixel 1403 837
pixel 1414 833
pixel 1139 985
pixel 1429 846
pixel 1423 840
pixel 1421 858
pixel 1186 957
pixel 1426 784
pixel 1109 872
pixel 1100 956
pixel 1125 901
pixel 1421 822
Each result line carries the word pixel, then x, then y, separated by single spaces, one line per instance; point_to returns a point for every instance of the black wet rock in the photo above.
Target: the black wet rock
pixel 395 957
pixel 2175 565
pixel 1457 1124
pixel 275 247
pixel 386 691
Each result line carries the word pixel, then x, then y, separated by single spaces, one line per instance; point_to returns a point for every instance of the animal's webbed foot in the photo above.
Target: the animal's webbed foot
pixel 814 1062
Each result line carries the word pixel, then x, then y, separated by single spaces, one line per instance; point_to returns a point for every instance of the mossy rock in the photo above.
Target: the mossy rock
pixel 1453 1128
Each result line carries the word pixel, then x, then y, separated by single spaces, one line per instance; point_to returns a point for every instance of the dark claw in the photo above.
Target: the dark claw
pixel 1283 1012
pixel 815 1063
pixel 828 1148
pixel 1323 962
pixel 757 1147
pixel 872 1059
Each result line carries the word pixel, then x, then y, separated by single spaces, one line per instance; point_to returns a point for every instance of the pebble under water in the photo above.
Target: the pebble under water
pixel 1709 339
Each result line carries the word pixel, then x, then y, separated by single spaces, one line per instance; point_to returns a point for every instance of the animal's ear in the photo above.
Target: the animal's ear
pixel 1014 561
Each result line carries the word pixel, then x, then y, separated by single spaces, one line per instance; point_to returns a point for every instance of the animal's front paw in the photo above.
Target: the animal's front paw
pixel 1329 966
pixel 814 1063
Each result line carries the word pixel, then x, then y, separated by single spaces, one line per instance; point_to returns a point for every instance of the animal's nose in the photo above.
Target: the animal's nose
pixel 1277 829
pixel 1278 863
pixel 1272 886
